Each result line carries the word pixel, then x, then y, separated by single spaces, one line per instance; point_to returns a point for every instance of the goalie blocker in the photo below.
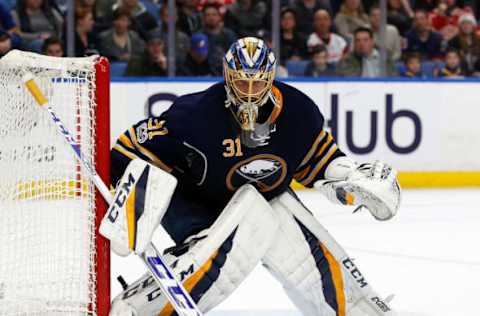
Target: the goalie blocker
pixel 141 199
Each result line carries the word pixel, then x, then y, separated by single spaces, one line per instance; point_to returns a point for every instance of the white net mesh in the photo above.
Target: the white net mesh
pixel 47 202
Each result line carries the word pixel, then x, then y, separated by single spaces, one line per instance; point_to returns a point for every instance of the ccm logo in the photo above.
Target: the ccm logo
pixel 350 266
pixel 123 191
pixel 381 304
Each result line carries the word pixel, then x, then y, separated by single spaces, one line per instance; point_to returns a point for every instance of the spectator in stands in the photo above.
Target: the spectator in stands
pixel 219 37
pixel 368 4
pixel 449 8
pixel 350 17
pixel 400 14
pixel 8 24
pixel 476 69
pixel 413 66
pixel 10 4
pixel 467 42
pixel 141 21
pixel 292 44
pixel 246 17
pixel 99 9
pixel 104 9
pixel 37 21
pixel 5 43
pixel 453 66
pixel 425 5
pixel 182 41
pixel 52 46
pixel 189 18
pixel 393 41
pixel 336 46
pixel 474 6
pixel 422 39
pixel 119 43
pixel 305 10
pixel 196 63
pixel 364 60
pixel 152 62
pixel 6 19
pixel 85 39
pixel 431 5
pixel 444 18
pixel 88 4
pixel 319 65
pixel 221 4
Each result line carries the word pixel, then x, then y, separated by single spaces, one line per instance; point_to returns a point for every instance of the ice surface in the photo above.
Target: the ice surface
pixel 428 256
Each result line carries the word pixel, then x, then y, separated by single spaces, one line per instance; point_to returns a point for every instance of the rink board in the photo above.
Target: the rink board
pixel 428 130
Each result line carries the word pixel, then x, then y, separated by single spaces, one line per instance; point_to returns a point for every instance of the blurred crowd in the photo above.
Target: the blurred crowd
pixel 318 38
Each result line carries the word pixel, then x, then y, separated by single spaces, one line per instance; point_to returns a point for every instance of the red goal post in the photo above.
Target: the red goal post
pixel 102 158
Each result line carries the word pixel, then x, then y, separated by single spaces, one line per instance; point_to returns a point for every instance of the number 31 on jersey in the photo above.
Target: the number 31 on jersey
pixel 233 147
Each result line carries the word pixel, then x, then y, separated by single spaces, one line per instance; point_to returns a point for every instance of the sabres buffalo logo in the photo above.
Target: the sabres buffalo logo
pixel 266 172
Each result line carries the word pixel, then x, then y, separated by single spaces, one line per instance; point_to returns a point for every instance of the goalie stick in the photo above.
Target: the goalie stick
pixel 162 273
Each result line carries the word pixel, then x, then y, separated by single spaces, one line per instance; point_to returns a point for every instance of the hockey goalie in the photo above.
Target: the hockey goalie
pixel 234 150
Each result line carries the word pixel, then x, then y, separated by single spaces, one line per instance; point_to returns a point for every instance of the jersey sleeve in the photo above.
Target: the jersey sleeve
pixel 320 151
pixel 149 140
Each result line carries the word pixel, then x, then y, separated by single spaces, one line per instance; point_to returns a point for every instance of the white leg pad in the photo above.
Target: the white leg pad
pixel 214 262
pixel 315 271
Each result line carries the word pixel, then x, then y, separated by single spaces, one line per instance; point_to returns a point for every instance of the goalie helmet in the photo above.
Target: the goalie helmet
pixel 248 69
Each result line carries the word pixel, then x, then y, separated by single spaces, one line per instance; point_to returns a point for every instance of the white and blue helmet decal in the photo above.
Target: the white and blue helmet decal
pixel 250 55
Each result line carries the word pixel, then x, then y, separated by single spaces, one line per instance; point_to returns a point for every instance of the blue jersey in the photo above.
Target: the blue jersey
pixel 198 141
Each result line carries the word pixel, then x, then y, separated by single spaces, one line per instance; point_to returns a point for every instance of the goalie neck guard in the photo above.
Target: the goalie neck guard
pixel 248 69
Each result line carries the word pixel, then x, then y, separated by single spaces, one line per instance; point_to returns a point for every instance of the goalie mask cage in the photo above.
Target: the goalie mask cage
pixel 52 259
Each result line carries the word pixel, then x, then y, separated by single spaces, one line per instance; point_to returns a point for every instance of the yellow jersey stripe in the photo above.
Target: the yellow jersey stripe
pixel 313 149
pixel 151 156
pixel 125 141
pixel 319 166
pixel 124 152
pixel 324 146
pixel 302 174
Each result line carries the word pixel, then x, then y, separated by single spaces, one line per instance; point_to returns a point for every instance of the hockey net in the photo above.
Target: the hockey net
pixel 52 260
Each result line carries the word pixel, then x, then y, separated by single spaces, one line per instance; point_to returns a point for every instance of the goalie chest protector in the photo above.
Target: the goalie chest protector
pixel 198 140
